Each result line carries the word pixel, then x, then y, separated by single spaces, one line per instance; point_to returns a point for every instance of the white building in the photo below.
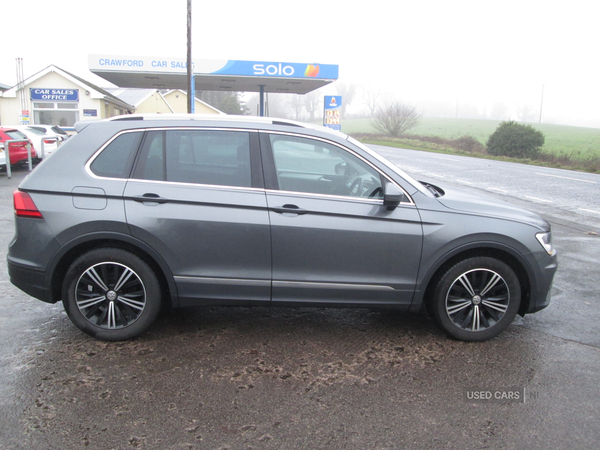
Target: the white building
pixel 56 97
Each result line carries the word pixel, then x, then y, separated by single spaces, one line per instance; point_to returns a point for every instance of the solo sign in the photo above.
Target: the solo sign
pixel 272 69
pixel 54 95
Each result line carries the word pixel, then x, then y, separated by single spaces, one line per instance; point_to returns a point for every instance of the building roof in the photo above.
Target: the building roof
pixel 136 96
pixel 95 91
pixel 133 96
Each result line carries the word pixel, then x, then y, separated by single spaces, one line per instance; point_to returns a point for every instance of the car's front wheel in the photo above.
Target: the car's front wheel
pixel 476 299
pixel 111 294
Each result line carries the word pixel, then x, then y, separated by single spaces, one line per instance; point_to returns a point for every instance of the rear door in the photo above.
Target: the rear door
pixel 196 196
pixel 333 241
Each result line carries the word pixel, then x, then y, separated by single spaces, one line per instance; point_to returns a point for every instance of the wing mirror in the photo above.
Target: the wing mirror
pixel 392 195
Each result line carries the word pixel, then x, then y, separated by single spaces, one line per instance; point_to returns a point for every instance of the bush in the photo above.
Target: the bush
pixel 396 118
pixel 515 140
pixel 468 144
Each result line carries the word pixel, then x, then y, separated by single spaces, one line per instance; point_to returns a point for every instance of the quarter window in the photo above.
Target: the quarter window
pixel 196 156
pixel 116 159
pixel 312 166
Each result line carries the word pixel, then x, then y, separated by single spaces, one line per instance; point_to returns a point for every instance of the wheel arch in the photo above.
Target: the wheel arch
pixel 509 256
pixel 60 263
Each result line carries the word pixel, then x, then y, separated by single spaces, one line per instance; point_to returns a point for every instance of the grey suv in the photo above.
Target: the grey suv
pixel 193 210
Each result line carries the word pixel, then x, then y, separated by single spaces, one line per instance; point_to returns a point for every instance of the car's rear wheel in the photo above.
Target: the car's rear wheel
pixel 476 299
pixel 111 294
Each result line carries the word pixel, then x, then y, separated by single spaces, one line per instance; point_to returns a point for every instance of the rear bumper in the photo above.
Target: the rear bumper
pixel 30 280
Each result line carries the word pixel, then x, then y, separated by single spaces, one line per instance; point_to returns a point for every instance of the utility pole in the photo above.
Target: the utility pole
pixel 542 102
pixel 191 89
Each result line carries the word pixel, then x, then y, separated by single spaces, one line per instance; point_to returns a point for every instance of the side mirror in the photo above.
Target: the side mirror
pixel 392 195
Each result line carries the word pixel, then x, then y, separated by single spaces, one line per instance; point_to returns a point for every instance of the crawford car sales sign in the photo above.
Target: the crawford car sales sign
pixel 60 95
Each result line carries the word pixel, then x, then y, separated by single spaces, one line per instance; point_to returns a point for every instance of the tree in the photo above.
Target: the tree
pixel 515 140
pixel 396 118
pixel 313 103
pixel 371 99
pixel 348 92
pixel 525 112
pixel 226 101
pixel 499 111
pixel 296 106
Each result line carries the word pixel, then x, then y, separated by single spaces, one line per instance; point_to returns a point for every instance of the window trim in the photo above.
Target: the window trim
pixel 257 178
pixel 272 184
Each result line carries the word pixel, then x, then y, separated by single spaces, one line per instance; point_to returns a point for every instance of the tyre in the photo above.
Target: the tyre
pixel 476 299
pixel 111 294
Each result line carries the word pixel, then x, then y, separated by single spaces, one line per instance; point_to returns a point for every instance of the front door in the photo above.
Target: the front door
pixel 333 241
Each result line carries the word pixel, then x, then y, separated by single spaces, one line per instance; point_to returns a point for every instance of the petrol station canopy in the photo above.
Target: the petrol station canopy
pixel 213 75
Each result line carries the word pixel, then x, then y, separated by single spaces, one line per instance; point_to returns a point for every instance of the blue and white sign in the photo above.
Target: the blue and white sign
pixel 333 112
pixel 279 69
pixel 54 95
pixel 213 66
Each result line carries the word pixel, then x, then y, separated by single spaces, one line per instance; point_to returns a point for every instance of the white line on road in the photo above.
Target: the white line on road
pixel 538 199
pixel 590 210
pixel 449 159
pixel 567 178
pixel 464 182
pixel 502 191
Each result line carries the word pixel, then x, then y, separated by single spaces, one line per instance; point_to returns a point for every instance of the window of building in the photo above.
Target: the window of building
pixel 56 113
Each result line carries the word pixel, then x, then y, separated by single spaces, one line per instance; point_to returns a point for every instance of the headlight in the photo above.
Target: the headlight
pixel 545 238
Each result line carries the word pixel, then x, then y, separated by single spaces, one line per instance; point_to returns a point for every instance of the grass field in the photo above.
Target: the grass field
pixel 574 143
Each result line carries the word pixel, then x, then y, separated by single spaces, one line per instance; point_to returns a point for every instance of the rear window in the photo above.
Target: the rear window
pixel 15 134
pixel 36 131
pixel 196 156
pixel 59 130
pixel 116 159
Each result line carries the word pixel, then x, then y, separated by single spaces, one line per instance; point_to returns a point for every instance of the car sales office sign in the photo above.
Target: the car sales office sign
pixel 55 95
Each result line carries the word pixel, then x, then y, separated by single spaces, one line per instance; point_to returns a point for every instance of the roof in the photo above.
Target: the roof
pixel 137 96
pixel 217 118
pixel 213 75
pixel 133 96
pixel 100 92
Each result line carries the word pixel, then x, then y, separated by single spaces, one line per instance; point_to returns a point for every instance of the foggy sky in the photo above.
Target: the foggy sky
pixel 447 57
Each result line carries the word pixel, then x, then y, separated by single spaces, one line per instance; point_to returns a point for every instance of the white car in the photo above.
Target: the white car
pixel 51 130
pixel 2 158
pixel 45 142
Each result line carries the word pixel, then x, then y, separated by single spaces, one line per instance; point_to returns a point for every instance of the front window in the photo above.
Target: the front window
pixel 313 166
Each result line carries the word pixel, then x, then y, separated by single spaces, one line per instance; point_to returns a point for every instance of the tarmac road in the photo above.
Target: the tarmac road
pixel 290 378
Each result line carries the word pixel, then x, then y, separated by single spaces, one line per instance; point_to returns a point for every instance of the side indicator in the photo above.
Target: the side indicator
pixel 24 206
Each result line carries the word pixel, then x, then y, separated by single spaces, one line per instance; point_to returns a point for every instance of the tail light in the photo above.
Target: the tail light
pixel 50 141
pixel 24 206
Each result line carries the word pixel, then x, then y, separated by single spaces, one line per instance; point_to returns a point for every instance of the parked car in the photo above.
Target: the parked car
pixel 18 150
pixel 2 157
pixel 44 143
pixel 135 211
pixel 51 130
pixel 69 130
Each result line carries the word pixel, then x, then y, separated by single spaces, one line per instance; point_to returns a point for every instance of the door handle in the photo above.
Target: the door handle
pixel 289 209
pixel 147 198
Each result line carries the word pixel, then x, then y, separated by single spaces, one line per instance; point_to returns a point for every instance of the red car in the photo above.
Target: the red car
pixel 18 150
